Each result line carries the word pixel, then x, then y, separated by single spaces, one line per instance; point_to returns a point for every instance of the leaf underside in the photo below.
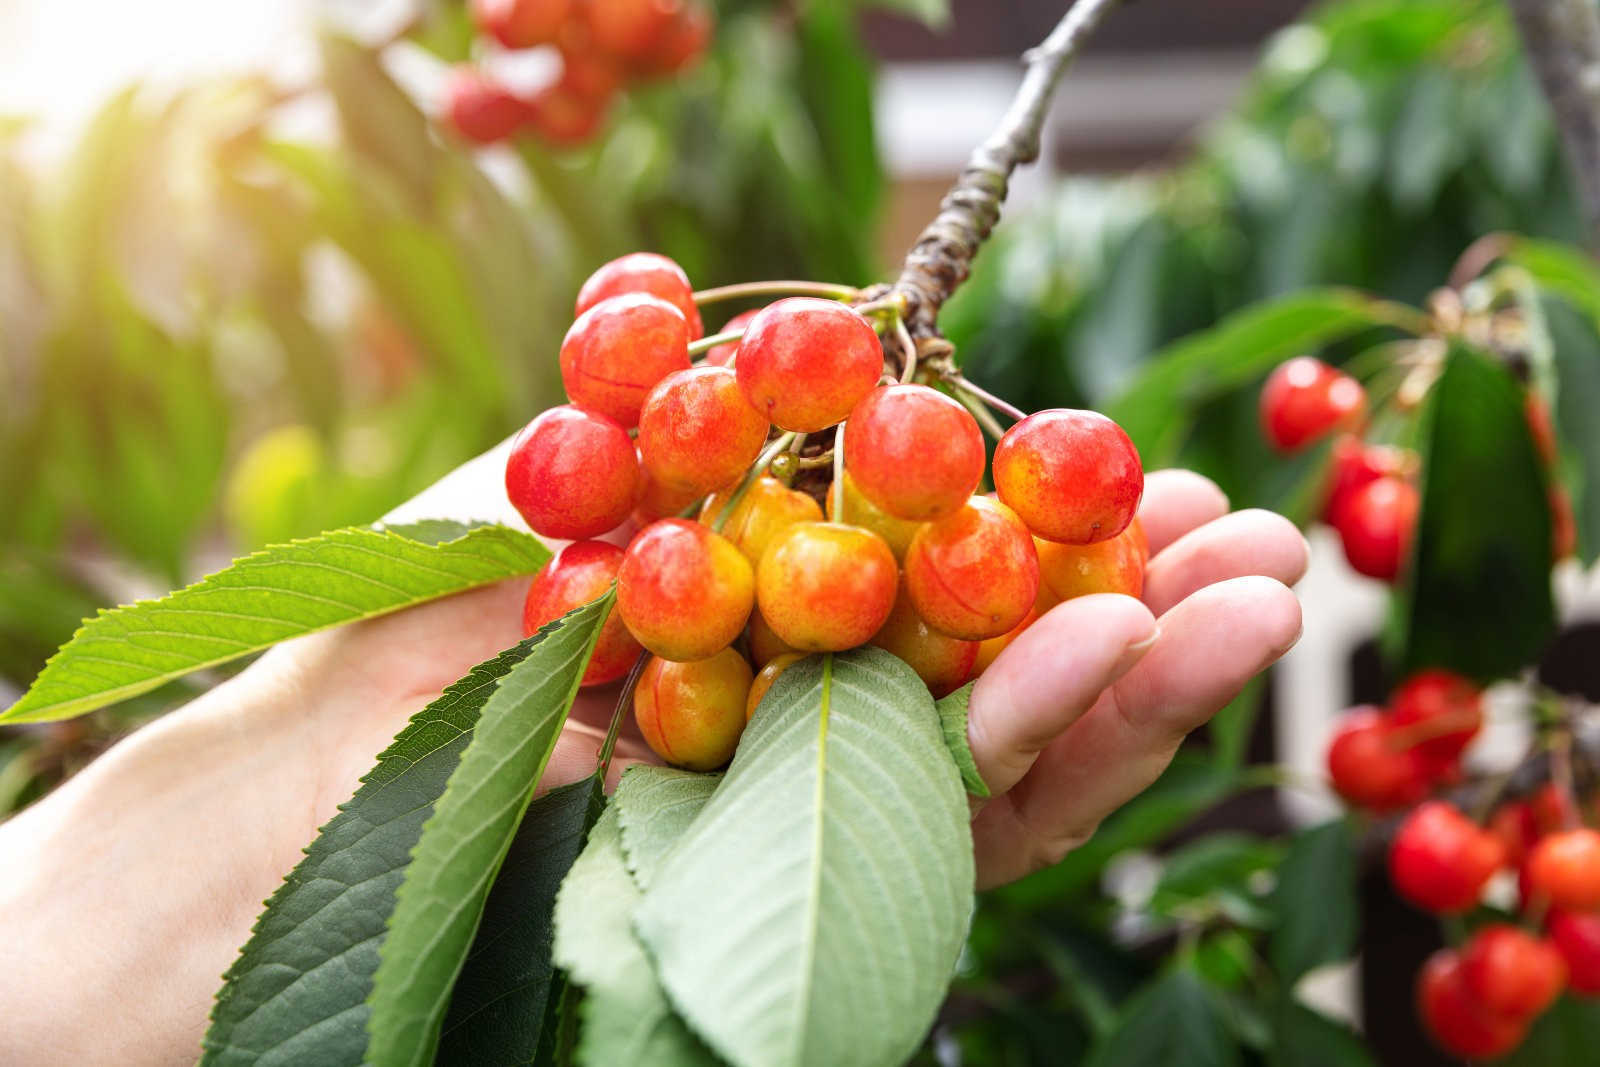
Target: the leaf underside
pixel 953 708
pixel 278 593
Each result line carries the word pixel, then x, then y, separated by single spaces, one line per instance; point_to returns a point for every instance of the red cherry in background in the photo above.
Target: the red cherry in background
pixel 1577 937
pixel 480 109
pixel 1454 1018
pixel 1512 973
pixel 1368 769
pixel 1305 399
pixel 1441 709
pixel 1441 860
pixel 1564 870
pixel 1376 525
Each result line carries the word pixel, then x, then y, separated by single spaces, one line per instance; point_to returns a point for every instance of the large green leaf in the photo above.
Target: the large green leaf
pixel 1303 1038
pixel 1575 341
pixel 508 984
pixel 1173 1022
pixel 278 593
pixel 1567 1033
pixel 298 991
pixel 1478 598
pixel 1561 269
pixel 815 910
pixel 440 902
pixel 625 1015
pixel 1157 409
pixel 1314 904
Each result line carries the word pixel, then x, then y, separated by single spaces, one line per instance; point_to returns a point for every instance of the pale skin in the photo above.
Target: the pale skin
pixel 126 893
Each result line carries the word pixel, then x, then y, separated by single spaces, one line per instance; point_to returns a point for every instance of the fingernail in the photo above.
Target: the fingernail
pixel 1135 652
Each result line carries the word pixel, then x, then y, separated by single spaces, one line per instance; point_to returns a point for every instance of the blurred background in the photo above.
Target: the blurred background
pixel 255 283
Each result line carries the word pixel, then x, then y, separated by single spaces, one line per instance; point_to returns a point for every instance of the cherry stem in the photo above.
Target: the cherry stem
pixel 763 461
pixel 984 416
pixel 910 347
pixel 706 344
pixel 609 745
pixel 827 290
pixel 814 463
pixel 1561 778
pixel 837 488
pixel 1005 407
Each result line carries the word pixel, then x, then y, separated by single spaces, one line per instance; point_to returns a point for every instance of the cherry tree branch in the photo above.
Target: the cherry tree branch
pixel 1562 39
pixel 941 258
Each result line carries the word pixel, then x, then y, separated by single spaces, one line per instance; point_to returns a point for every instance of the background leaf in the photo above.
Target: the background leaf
pixel 276 594
pixel 299 988
pixel 1314 904
pixel 1304 1038
pixel 1567 1033
pixel 1173 1022
pixel 1575 340
pixel 464 842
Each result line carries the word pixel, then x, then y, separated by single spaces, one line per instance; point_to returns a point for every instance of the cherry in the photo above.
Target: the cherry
pixel 1368 768
pixel 765 677
pixel 1115 565
pixel 1305 399
pixel 1440 859
pixel 766 510
pixel 1071 476
pixel 1440 712
pixel 824 586
pixel 765 646
pixel 572 473
pixel 586 70
pixel 575 575
pixel 616 352
pixel 860 511
pixel 566 115
pixel 1564 870
pixel 1513 824
pixel 660 501
pixel 1356 463
pixel 721 355
pixel 1577 938
pixel 697 431
pixel 683 591
pixel 1553 808
pixel 914 452
pixel 521 23
pixel 1512 973
pixel 642 272
pixel 631 29
pixel 805 362
pixel 973 574
pixel 691 714
pixel 943 663
pixel 480 109
pixel 683 42
pixel 990 648
pixel 1454 1017
pixel 1376 525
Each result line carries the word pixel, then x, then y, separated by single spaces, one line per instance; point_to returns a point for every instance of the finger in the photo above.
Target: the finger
pixel 1209 647
pixel 1175 502
pixel 1243 543
pixel 1049 676
pixel 577 752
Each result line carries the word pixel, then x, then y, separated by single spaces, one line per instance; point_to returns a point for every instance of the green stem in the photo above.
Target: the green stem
pixel 609 745
pixel 762 462
pixel 984 416
pixel 1003 406
pixel 706 344
pixel 826 290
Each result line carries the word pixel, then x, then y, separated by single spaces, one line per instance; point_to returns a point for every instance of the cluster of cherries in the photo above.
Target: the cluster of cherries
pixel 1371 498
pixel 603 45
pixel 785 496
pixel 1479 999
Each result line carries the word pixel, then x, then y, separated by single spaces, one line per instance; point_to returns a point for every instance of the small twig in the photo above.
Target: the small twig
pixel 984 416
pixel 909 346
pixel 706 344
pixel 827 290
pixel 760 466
pixel 1562 39
pixel 609 745
pixel 837 488
pixel 1003 406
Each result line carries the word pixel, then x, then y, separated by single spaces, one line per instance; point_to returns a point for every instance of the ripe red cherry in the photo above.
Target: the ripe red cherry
pixel 1305 399
pixel 1577 938
pixel 575 575
pixel 585 69
pixel 721 355
pixel 805 362
pixel 1458 1023
pixel 1356 463
pixel 616 352
pixel 658 501
pixel 824 586
pixel 480 109
pixel 1440 859
pixel 521 23
pixel 1071 476
pixel 1115 565
pixel 1376 525
pixel 683 591
pixel 572 474
pixel 1514 825
pixel 697 432
pixel 1564 869
pixel 1440 711
pixel 631 29
pixel 683 42
pixel 943 663
pixel 1512 973
pixel 565 115
pixel 1368 768
pixel 691 714
pixel 913 451
pixel 642 272
pixel 973 574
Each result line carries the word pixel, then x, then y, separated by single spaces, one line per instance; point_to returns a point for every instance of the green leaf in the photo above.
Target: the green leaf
pixel 508 983
pixel 932 13
pixel 1567 1033
pixel 1314 904
pixel 278 593
pixel 1566 271
pixel 442 898
pixel 1576 347
pixel 1157 409
pixel 1478 599
pixel 1214 874
pixel 655 806
pixel 1304 1038
pixel 1174 1021
pixel 625 1016
pixel 814 912
pixel 1425 143
pixel 299 987
pixel 953 720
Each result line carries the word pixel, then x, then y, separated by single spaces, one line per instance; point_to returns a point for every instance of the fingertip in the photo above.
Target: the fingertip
pixel 1177 501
